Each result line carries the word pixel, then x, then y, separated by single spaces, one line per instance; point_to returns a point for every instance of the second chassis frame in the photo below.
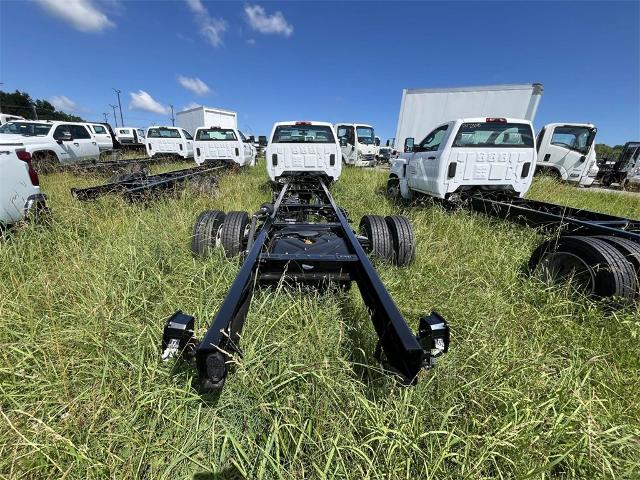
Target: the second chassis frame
pixel 294 246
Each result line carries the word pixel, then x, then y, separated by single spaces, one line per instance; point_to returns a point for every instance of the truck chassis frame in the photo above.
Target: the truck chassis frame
pixel 304 213
pixel 139 186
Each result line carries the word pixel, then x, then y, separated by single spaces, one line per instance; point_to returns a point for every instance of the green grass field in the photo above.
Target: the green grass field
pixel 538 383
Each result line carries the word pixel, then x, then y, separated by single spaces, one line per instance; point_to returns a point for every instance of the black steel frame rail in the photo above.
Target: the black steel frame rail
pixel 551 216
pixel 139 186
pixel 405 353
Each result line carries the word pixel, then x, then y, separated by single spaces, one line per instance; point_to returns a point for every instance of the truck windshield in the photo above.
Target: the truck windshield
pixel 163 133
pixel 573 138
pixel 216 134
pixel 365 135
pixel 303 134
pixel 24 128
pixel 494 134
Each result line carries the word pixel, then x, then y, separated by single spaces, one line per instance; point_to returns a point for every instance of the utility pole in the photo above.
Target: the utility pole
pixel 173 120
pixel 120 106
pixel 106 120
pixel 115 119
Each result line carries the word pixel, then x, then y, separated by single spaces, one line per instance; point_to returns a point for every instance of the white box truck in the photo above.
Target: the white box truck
pixel 422 110
pixel 194 118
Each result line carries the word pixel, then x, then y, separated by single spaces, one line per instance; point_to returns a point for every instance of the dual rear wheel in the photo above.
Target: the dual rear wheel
pixel 390 238
pixel 215 228
pixel 599 266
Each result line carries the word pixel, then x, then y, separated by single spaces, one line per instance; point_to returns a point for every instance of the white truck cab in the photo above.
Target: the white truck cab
pixel 303 147
pixel 130 136
pixel 567 150
pixel 161 140
pixel 102 136
pixel 226 144
pixel 466 154
pixel 358 144
pixel 20 193
pixel 53 142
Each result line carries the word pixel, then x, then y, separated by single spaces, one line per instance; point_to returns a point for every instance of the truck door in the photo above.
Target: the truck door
pixel 188 141
pixel 423 167
pixel 349 151
pixel 89 148
pixel 568 150
pixel 68 150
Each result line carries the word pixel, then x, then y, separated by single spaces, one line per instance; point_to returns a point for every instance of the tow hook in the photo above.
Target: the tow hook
pixel 178 337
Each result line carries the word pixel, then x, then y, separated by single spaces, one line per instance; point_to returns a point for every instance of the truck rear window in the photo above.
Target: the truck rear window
pixel 25 128
pixel 216 134
pixel 494 134
pixel 303 134
pixel 163 133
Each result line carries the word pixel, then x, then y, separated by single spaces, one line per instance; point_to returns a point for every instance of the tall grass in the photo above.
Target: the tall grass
pixel 538 383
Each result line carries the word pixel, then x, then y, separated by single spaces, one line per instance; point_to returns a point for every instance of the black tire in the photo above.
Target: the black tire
pixel 232 234
pixel 404 240
pixel 205 231
pixel 393 188
pixel 629 249
pixel 595 266
pixel 377 232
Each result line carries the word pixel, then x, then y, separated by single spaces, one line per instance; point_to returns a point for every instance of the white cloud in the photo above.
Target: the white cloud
pixel 251 41
pixel 63 103
pixel 263 23
pixel 196 6
pixel 145 102
pixel 83 15
pixel 194 85
pixel 211 28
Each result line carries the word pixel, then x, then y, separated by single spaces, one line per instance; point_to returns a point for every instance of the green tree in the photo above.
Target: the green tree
pixel 21 103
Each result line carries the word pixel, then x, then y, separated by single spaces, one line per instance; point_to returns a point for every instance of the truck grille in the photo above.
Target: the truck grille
pixel 369 157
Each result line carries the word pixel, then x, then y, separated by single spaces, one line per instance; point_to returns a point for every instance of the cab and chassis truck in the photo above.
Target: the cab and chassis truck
pixel 486 165
pixel 304 237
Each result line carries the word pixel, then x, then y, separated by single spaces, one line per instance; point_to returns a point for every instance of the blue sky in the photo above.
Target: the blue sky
pixel 346 61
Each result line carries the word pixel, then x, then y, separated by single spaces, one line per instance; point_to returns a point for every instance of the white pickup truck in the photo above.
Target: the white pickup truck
pixel 52 143
pixel 20 195
pixel 226 144
pixel 567 150
pixel 160 140
pixel 303 147
pixel 466 154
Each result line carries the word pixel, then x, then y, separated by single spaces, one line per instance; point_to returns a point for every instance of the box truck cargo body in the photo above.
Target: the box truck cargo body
pixel 197 117
pixel 422 110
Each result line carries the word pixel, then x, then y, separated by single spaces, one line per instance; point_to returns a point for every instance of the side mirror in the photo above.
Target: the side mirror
pixel 377 142
pixel 65 137
pixel 252 139
pixel 408 145
pixel 387 144
pixel 343 141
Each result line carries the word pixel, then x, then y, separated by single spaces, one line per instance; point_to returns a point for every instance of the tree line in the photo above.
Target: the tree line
pixel 21 103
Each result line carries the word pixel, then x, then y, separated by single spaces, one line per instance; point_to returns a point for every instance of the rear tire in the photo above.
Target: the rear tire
pixel 233 232
pixel 404 242
pixel 597 268
pixel 629 249
pixel 375 228
pixel 205 231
